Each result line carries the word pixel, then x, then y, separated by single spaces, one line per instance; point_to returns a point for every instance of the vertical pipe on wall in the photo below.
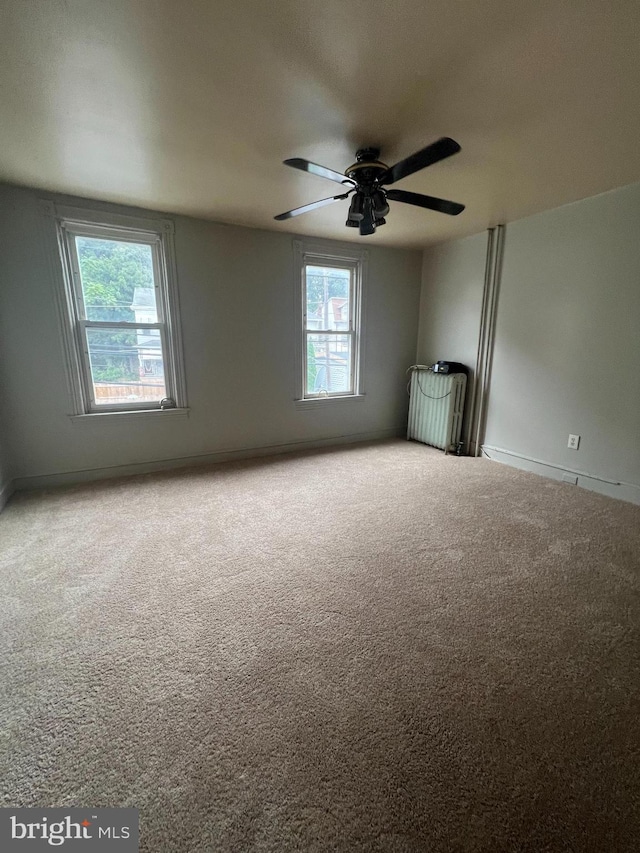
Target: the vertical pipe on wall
pixel 476 395
pixel 491 322
pixel 484 357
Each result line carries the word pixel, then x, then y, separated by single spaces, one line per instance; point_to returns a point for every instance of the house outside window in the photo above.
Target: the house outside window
pixel 329 308
pixel 120 311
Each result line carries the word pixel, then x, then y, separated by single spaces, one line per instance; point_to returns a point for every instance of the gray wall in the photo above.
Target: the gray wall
pixel 567 349
pixel 451 304
pixel 567 343
pixel 236 300
pixel 451 301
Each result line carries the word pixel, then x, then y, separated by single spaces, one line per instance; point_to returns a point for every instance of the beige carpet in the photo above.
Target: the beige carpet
pixel 376 648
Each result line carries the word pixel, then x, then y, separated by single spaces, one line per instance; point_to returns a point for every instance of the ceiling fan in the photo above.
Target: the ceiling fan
pixel 367 179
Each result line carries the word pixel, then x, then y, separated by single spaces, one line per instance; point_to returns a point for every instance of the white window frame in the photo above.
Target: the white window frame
pixel 340 257
pixel 156 233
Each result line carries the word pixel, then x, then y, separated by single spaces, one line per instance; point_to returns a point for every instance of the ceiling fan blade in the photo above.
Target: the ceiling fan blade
pixel 439 150
pixel 431 203
pixel 320 171
pixel 307 207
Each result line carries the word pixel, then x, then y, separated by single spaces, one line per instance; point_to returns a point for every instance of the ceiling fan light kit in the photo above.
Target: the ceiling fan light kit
pixel 367 179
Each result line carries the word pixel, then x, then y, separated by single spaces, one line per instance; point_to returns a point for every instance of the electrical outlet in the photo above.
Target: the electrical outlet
pixel 574 442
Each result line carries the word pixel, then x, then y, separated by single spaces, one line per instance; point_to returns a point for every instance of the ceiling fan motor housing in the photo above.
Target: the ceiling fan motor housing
pixel 369 202
pixel 367 168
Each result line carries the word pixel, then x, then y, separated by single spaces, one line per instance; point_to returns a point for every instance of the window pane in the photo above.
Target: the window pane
pixel 117 280
pixel 328 364
pixel 126 365
pixel 328 294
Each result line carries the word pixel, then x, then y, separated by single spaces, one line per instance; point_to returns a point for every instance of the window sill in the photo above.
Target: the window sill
pixel 323 402
pixel 142 415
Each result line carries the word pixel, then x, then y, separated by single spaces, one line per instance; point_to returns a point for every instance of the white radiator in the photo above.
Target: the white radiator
pixel 436 408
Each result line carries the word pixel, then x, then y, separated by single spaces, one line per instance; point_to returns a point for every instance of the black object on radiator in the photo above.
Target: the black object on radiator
pixel 450 367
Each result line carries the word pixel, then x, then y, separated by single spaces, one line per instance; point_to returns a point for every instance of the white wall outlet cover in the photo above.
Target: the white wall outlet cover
pixel 574 442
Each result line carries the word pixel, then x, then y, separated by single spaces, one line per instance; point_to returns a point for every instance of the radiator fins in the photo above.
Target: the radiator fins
pixel 436 408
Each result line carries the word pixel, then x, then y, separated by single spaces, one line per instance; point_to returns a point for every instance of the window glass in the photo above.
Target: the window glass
pixel 117 280
pixel 127 365
pixel 328 364
pixel 328 298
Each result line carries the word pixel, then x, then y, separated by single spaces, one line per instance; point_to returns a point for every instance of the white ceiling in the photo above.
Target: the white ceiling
pixel 191 106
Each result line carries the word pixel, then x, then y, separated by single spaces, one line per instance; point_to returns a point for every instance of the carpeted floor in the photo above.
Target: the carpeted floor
pixel 376 648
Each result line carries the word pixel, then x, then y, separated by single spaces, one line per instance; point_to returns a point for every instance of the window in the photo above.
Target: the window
pixel 330 324
pixel 123 337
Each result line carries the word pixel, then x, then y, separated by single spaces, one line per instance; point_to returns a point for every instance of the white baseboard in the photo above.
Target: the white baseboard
pixel 613 489
pixel 6 490
pixel 63 478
